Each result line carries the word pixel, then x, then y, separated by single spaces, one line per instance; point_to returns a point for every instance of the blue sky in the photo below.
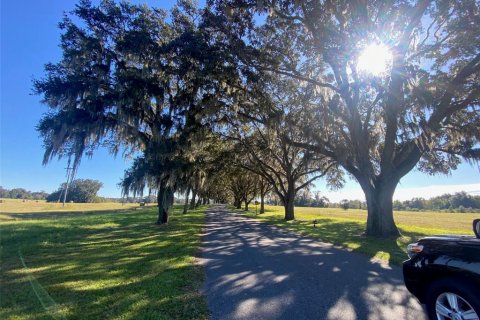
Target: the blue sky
pixel 29 39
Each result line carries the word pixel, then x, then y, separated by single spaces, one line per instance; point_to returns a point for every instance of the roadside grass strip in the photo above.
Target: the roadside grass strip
pixel 345 228
pixel 104 265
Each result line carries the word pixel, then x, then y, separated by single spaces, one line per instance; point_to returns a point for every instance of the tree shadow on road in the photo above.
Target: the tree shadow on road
pixel 256 271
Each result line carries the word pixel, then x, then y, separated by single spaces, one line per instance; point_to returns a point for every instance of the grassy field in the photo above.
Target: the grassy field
pixel 101 265
pixel 35 206
pixel 345 228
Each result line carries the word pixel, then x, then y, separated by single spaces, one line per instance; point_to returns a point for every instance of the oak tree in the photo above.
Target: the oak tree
pixel 421 112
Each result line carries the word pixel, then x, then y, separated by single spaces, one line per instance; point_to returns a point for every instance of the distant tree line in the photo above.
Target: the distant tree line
pixel 21 193
pixel 80 191
pixel 349 204
pixel 305 199
pixel 458 202
pixel 312 202
pixel 147 199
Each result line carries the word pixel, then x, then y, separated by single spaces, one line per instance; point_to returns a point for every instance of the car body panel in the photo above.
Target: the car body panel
pixel 442 257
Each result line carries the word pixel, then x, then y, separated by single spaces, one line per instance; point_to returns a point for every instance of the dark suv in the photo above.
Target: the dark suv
pixel 444 273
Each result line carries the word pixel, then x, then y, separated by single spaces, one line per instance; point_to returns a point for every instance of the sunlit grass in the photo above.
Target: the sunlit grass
pixel 116 265
pixel 35 206
pixel 345 228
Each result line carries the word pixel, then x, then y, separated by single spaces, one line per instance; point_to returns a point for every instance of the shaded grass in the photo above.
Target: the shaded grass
pixel 346 227
pixel 117 265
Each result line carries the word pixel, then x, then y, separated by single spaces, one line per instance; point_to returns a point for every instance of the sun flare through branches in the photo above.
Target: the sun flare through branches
pixel 375 59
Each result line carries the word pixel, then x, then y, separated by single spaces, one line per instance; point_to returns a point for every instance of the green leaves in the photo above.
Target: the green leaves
pixel 133 78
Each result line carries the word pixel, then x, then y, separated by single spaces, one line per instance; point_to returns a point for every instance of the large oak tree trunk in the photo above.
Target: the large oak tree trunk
pixel 237 202
pixel 185 207
pixel 262 203
pixel 165 202
pixel 193 201
pixel 380 222
pixel 289 204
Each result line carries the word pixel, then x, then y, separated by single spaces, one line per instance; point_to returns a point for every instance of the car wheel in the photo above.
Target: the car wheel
pixel 453 299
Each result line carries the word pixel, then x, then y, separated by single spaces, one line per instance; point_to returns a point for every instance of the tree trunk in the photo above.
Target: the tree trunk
pixel 199 201
pixel 237 203
pixel 164 201
pixel 289 211
pixel 246 204
pixel 289 204
pixel 192 202
pixel 380 222
pixel 262 203
pixel 185 207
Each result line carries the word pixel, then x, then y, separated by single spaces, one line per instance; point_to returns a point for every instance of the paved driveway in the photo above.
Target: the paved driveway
pixel 256 271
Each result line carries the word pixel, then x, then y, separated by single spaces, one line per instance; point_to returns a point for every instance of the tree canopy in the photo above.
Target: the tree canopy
pixel 421 112
pixel 131 78
pixel 279 82
pixel 21 193
pixel 79 190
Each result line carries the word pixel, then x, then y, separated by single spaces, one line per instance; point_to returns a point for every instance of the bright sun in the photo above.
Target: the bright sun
pixel 375 59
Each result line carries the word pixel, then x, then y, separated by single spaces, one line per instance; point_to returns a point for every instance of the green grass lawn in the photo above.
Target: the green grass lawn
pixel 345 228
pixel 116 265
pixel 38 206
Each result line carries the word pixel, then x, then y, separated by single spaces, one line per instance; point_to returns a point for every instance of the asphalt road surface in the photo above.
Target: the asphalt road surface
pixel 257 271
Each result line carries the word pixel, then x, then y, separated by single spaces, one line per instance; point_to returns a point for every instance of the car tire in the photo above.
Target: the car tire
pixel 443 293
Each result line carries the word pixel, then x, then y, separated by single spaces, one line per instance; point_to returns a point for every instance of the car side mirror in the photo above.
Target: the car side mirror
pixel 476 227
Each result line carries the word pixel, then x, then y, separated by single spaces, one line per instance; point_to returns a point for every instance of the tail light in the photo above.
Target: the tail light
pixel 413 249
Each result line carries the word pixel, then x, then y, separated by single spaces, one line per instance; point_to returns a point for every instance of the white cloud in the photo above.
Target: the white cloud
pixel 403 193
